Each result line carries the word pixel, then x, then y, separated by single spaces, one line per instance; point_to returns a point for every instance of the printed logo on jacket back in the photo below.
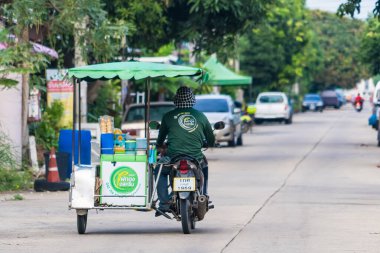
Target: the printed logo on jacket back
pixel 188 122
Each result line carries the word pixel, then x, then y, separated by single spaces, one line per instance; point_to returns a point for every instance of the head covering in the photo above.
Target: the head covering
pixel 184 98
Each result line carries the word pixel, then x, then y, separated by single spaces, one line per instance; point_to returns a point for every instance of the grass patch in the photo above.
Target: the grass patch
pixel 18 197
pixel 11 180
pixel 13 174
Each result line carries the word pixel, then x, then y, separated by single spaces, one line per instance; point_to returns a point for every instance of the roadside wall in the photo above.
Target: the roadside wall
pixel 10 114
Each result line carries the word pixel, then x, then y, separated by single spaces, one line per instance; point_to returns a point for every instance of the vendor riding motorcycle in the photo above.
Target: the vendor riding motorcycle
pixel 187 131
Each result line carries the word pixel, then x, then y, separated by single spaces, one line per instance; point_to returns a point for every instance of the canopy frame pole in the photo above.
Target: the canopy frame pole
pixel 147 107
pixel 147 133
pixel 74 122
pixel 250 92
pixel 79 121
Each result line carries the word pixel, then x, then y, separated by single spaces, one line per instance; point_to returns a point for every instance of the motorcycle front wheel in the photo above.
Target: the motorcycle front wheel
pixel 244 127
pixel 185 215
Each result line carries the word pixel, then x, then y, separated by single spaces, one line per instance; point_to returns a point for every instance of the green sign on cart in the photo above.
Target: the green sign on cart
pixel 124 180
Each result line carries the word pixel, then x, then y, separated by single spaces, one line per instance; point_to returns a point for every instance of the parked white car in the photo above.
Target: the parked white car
pixel 133 119
pixel 273 106
pixel 222 108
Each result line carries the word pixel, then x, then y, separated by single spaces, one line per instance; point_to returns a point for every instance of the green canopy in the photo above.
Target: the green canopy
pixel 220 75
pixel 132 69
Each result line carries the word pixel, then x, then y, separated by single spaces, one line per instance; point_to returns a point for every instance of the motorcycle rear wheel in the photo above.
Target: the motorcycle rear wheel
pixel 185 216
pixel 192 222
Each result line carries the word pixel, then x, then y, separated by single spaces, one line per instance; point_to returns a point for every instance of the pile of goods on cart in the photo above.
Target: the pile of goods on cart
pixel 114 142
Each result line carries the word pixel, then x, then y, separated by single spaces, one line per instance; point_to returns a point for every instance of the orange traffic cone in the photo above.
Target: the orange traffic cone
pixel 53 175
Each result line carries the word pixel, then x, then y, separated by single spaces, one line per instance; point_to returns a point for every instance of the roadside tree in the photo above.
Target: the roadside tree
pixel 370 50
pixel 350 7
pixel 339 42
pixel 275 52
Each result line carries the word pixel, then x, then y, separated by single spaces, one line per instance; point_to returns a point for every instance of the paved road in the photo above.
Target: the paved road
pixel 313 186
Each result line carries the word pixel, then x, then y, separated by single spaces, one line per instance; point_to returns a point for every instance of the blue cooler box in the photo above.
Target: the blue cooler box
pixel 65 145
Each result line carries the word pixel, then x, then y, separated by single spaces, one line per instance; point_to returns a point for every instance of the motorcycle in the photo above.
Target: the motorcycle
pixel 188 202
pixel 246 123
pixel 358 106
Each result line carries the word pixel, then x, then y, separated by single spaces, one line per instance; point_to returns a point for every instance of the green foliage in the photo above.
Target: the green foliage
pixel 369 48
pixel 47 131
pixel 103 42
pixel 106 103
pixel 11 180
pixel 275 52
pixel 18 58
pixel 339 45
pixel 103 25
pixel 12 174
pixel 352 6
pixel 148 19
pixel 18 197
pixel 28 13
pixel 100 39
pixel 165 50
pixel 296 102
pixel 213 25
pixel 7 154
pixel 229 91
pixel 315 49
pixel 170 85
pixel 376 79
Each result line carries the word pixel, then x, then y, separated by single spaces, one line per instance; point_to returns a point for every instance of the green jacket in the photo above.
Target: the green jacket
pixel 186 129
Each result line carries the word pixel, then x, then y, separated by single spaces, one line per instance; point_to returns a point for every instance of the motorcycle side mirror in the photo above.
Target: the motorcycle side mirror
pixel 154 125
pixel 219 125
pixel 237 110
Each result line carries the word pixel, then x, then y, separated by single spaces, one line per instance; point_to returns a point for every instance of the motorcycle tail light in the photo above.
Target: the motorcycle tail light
pixel 183 167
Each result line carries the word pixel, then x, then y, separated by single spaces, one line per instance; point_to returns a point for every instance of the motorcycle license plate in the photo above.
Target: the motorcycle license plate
pixel 181 184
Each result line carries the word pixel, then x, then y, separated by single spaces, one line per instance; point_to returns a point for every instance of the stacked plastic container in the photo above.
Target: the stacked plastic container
pixel 141 146
pixel 117 146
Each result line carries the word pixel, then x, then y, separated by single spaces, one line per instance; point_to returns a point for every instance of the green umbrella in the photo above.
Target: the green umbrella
pixel 133 70
pixel 219 75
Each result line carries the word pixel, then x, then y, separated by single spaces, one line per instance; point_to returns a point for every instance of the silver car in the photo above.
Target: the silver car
pixel 222 108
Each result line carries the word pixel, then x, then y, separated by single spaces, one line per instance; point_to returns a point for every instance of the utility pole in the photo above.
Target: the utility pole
pixel 25 99
pixel 79 61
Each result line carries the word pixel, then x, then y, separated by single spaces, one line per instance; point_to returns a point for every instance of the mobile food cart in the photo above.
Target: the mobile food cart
pixel 124 178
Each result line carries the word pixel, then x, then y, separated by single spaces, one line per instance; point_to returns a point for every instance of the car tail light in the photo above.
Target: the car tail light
pixel 286 107
pixel 132 132
pixel 183 167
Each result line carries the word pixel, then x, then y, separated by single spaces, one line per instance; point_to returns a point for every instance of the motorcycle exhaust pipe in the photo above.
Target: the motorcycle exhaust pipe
pixel 202 207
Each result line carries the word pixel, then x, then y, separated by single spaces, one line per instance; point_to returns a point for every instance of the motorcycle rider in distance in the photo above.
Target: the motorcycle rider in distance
pixel 187 130
pixel 247 118
pixel 360 100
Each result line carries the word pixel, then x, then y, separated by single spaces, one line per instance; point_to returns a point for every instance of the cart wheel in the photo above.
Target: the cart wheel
pixel 81 223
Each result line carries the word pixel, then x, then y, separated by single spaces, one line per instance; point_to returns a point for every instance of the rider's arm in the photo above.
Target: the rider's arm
pixel 209 134
pixel 163 132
